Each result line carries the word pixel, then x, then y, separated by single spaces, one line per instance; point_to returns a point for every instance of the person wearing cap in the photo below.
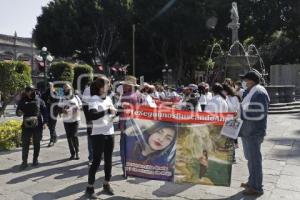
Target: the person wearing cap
pixel 218 102
pixel 130 97
pixel 147 91
pixel 191 99
pixel 254 113
pixel 35 118
pixel 51 100
pixel 70 106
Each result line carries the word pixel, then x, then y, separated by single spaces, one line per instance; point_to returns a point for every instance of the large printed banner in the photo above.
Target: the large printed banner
pixel 178 146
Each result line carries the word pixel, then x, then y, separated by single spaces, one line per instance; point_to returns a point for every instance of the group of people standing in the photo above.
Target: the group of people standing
pixel 101 104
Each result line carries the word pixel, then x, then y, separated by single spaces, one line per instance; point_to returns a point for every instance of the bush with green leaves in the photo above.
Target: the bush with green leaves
pixel 10 134
pixel 14 76
pixel 87 72
pixel 62 71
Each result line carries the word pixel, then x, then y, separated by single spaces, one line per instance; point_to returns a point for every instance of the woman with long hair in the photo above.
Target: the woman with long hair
pixel 233 100
pixel 101 111
pixel 218 102
pixel 155 144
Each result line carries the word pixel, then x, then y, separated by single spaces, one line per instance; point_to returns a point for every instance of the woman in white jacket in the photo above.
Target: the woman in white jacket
pixel 70 106
pixel 233 100
pixel 218 102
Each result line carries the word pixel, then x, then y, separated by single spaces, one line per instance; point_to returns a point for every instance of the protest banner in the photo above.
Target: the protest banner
pixel 175 145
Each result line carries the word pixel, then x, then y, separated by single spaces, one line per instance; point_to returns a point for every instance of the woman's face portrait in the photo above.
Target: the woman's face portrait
pixel 161 139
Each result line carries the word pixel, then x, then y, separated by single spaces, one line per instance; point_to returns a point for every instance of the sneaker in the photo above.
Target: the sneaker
pixel 72 157
pixel 35 163
pixel 252 192
pixel 90 193
pixel 107 189
pixel 23 166
pixel 51 144
pixel 77 157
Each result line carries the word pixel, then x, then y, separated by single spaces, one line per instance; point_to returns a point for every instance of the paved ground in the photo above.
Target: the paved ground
pixel 58 178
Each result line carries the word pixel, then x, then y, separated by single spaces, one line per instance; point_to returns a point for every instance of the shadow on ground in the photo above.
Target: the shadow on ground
pixel 74 189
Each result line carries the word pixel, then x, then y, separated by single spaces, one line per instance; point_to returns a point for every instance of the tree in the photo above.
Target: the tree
pixel 14 76
pixel 89 27
pixel 173 32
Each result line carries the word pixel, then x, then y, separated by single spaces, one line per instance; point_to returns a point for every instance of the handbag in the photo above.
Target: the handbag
pixel 30 122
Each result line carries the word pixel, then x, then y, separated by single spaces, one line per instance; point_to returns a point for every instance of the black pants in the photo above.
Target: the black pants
pixel 36 135
pixel 51 126
pixel 89 128
pixel 101 144
pixel 71 132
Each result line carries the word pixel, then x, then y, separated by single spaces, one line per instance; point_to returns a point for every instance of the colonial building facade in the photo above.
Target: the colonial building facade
pixel 18 48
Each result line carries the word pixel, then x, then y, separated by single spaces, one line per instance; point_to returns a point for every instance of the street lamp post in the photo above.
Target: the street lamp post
pixel 166 71
pixel 45 56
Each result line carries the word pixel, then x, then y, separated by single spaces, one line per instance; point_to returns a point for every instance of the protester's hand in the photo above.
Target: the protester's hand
pixel 112 111
pixel 236 116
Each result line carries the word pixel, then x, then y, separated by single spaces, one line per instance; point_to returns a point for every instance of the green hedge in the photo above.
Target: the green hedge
pixel 10 134
pixel 62 71
pixel 14 77
pixel 80 70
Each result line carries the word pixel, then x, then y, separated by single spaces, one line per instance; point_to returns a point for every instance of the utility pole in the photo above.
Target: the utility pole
pixel 133 49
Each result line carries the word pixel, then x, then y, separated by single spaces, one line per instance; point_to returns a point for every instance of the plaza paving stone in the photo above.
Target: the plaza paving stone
pixel 58 178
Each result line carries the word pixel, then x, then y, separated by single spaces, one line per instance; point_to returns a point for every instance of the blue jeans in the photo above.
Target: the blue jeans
pixel 123 151
pixel 252 152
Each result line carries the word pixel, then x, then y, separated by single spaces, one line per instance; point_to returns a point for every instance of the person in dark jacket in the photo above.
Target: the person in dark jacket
pixel 51 100
pixel 35 118
pixel 254 113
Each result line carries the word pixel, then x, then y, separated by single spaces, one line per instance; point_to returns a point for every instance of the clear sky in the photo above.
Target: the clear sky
pixel 20 16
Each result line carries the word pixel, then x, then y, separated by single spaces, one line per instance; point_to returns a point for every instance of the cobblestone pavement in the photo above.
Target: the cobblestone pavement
pixel 58 178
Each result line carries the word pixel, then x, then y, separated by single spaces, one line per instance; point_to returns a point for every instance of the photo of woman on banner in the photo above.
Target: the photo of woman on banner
pixel 151 144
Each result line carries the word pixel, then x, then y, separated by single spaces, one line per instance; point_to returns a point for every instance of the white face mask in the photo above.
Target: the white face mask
pixel 244 85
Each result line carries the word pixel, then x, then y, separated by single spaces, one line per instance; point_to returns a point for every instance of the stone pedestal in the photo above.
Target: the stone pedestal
pixel 235 66
pixel 281 93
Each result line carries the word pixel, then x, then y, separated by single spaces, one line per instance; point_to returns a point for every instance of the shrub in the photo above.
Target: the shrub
pixel 14 76
pixel 10 134
pixel 62 71
pixel 80 70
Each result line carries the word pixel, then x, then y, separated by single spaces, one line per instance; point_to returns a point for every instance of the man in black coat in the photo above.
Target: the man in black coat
pixel 35 118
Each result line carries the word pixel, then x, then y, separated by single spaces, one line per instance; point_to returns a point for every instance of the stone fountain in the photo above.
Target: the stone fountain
pixel 239 60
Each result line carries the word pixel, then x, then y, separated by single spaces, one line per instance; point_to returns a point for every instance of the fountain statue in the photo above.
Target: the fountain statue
pixel 234 25
pixel 239 60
